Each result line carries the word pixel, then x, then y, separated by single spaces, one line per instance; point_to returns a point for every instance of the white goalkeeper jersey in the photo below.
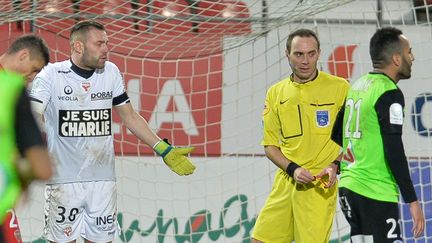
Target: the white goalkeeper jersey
pixel 78 119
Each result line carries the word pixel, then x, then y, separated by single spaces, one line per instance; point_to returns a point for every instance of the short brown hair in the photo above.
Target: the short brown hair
pixel 35 44
pixel 81 28
pixel 301 33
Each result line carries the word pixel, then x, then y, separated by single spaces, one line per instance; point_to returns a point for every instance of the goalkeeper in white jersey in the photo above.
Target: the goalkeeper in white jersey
pixel 75 99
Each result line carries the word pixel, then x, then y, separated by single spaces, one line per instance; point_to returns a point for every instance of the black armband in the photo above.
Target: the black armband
pixel 337 163
pixel 291 168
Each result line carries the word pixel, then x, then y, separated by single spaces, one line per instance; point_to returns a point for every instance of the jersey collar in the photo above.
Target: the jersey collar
pixel 307 83
pixel 378 72
pixel 81 72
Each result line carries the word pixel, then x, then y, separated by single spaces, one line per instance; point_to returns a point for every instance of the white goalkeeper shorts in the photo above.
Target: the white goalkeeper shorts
pixel 86 209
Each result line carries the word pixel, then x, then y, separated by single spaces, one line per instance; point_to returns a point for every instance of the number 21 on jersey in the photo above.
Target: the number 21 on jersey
pixel 352 126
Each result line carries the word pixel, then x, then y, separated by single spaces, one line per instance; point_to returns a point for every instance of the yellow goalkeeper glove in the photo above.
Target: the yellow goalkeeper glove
pixel 175 157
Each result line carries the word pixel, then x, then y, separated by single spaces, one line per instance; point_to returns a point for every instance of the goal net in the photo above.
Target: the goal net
pixel 198 72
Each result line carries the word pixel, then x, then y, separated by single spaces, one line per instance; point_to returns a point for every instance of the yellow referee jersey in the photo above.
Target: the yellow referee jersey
pixel 299 118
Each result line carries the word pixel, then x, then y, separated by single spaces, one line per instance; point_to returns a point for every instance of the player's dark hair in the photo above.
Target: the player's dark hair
pixel 301 33
pixel 35 44
pixel 81 28
pixel 383 45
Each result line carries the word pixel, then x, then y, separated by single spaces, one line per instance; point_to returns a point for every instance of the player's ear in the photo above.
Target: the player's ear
pixel 287 54
pixel 78 46
pixel 397 59
pixel 23 54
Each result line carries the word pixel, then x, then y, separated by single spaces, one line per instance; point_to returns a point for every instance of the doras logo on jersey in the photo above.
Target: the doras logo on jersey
pixel 84 123
pixel 322 118
pixel 101 95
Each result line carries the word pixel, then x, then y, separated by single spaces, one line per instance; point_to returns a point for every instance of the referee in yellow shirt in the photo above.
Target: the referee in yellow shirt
pixel 298 118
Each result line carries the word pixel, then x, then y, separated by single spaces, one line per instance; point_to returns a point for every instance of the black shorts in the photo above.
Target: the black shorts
pixel 370 220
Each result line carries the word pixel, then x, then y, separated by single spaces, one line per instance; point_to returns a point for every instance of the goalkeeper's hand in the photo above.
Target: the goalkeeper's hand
pixel 175 157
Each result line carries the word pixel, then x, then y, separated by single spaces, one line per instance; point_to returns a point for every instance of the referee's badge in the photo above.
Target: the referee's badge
pixel 322 118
